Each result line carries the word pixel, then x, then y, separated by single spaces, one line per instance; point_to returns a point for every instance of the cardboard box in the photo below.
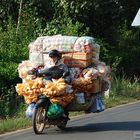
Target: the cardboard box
pixel 75 63
pixel 78 55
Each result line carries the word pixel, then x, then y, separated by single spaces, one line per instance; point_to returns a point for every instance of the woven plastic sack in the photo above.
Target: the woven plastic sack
pixel 55 111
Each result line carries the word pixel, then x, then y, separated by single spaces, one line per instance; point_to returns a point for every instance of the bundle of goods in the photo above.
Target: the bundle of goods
pixel 24 67
pixel 80 54
pixel 55 88
pixel 56 91
pixel 86 85
pixel 91 79
pixel 30 89
pixel 63 100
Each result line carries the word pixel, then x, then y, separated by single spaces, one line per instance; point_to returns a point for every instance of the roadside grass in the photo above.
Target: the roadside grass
pixel 12 124
pixel 112 102
pixel 123 91
pixel 19 121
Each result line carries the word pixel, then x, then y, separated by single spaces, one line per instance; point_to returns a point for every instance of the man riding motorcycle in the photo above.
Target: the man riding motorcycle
pixel 55 69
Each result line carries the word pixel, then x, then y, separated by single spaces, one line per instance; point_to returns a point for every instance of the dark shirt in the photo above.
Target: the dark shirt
pixel 56 72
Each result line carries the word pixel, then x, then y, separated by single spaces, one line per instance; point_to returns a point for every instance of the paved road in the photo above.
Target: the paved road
pixel 121 123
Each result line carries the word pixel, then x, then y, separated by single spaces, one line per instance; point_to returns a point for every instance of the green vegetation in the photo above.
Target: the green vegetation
pixel 19 121
pixel 123 90
pixel 13 124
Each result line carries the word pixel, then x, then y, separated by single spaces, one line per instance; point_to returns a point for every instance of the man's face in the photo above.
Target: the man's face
pixel 53 60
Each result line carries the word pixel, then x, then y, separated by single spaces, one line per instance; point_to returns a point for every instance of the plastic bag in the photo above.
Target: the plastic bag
pixel 30 110
pixel 98 105
pixel 55 111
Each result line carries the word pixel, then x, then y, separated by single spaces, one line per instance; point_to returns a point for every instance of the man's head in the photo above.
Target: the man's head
pixel 54 55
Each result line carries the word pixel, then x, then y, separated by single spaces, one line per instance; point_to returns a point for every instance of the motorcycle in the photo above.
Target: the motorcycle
pixel 40 118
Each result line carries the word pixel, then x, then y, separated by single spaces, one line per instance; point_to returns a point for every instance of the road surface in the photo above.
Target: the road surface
pixel 120 123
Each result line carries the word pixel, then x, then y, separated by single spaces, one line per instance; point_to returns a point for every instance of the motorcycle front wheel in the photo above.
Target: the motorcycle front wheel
pixel 39 119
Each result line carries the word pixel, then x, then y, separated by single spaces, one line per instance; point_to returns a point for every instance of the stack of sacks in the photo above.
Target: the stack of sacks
pixel 84 46
pixel 77 52
pixel 30 89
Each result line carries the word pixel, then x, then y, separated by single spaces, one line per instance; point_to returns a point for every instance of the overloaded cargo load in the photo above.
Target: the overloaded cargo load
pixel 74 49
pixel 88 74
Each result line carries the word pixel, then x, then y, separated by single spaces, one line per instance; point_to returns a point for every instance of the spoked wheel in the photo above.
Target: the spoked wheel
pixel 38 120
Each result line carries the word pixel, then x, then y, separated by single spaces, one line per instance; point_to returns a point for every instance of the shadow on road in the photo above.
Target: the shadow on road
pixel 107 126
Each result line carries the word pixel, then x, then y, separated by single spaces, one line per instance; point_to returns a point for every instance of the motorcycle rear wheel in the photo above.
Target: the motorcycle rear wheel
pixel 39 119
pixel 62 126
